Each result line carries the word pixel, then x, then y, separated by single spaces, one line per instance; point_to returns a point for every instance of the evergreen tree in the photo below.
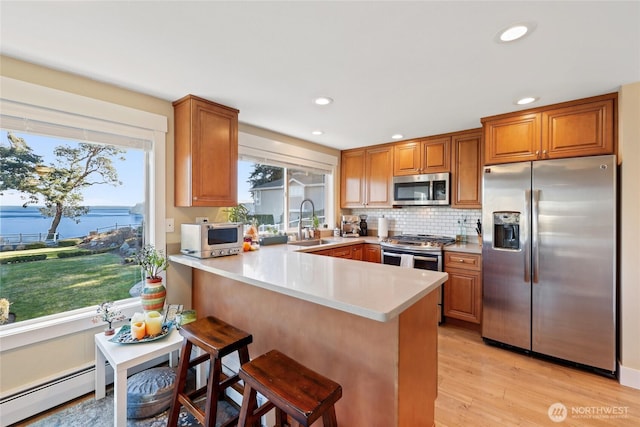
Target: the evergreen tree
pixel 60 184
pixel 263 174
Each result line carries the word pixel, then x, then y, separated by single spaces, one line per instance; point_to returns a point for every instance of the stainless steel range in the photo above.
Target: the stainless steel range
pixel 422 251
pixel 426 250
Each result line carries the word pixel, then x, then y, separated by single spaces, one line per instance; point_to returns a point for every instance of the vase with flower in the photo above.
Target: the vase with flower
pixel 109 313
pixel 153 262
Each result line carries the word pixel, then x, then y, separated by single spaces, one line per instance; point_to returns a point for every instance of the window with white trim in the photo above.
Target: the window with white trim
pixel 44 117
pixel 274 178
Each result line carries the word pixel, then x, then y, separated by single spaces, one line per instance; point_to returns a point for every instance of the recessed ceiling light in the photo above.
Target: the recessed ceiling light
pixel 515 32
pixel 397 136
pixel 323 100
pixel 526 100
pixel 317 132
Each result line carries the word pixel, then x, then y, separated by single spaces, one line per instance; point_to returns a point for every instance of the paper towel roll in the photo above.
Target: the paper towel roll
pixel 383 227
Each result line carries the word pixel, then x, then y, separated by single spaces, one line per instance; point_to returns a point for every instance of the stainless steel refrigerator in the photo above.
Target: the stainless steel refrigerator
pixel 549 258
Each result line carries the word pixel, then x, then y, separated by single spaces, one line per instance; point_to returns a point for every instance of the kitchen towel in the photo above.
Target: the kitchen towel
pixel 383 227
pixel 406 260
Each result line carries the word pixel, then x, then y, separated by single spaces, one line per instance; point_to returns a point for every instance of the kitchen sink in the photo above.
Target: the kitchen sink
pixel 312 242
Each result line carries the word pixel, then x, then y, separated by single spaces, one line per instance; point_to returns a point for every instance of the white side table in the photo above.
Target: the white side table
pixel 124 356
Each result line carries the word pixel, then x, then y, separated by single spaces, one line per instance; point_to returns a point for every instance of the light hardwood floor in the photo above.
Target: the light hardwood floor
pixel 485 386
pixel 481 385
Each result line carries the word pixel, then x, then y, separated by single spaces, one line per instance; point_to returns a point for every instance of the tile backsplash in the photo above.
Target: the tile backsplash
pixel 422 220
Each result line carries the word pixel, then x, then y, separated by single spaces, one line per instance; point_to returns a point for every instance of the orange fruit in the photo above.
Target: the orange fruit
pixel 246 246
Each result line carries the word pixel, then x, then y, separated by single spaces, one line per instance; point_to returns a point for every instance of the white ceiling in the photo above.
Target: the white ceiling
pixel 417 68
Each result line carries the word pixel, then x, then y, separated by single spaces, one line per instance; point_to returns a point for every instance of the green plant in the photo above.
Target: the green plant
pixel 23 258
pixel 153 261
pixel 36 245
pixel 316 222
pixel 68 242
pixel 70 254
pixel 238 213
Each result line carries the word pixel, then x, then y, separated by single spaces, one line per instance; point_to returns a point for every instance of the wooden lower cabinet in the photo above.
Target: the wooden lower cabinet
pixel 348 252
pixel 360 252
pixel 325 252
pixel 372 253
pixel 463 290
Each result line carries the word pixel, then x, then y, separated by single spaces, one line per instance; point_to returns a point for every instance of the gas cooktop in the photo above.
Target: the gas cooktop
pixel 417 241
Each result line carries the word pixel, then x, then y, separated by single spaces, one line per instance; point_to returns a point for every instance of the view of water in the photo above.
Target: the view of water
pixel 16 219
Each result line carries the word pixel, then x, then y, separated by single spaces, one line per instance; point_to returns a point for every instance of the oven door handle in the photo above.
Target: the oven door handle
pixel 423 258
pixel 419 258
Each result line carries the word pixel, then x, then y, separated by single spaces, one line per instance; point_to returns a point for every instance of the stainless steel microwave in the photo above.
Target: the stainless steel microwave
pixel 208 240
pixel 421 190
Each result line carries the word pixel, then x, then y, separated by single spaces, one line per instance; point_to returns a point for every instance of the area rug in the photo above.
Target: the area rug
pixel 99 413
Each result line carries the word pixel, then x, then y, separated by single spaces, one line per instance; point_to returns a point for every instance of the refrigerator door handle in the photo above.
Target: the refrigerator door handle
pixel 527 243
pixel 534 235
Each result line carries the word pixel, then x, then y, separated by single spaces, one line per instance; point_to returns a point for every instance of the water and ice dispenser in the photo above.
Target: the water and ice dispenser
pixel 506 230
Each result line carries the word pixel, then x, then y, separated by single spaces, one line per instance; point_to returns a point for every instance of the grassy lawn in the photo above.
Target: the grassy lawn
pixel 55 285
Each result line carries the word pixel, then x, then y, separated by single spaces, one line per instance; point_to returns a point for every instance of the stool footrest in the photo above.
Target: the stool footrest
pixel 232 381
pixel 191 407
pixel 198 360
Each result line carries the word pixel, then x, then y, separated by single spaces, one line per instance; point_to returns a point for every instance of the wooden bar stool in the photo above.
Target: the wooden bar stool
pixel 291 388
pixel 217 339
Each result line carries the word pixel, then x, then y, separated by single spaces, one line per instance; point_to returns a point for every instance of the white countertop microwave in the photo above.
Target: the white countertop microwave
pixel 421 190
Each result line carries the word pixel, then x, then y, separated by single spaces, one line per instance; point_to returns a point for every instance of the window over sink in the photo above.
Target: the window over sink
pixel 273 195
pixel 274 178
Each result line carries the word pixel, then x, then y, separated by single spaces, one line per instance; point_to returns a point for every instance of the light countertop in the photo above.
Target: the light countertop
pixel 375 291
pixel 470 247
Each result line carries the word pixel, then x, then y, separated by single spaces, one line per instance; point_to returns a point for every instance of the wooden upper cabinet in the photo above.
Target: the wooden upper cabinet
pixel 512 139
pixel 466 170
pixel 352 178
pixel 429 155
pixel 378 177
pixel 407 159
pixel 580 130
pixel 585 127
pixel 206 153
pixel 366 176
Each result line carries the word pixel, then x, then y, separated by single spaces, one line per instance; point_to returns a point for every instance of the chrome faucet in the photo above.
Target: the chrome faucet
pixel 313 214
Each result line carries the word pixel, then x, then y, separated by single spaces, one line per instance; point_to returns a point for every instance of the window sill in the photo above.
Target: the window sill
pixel 29 332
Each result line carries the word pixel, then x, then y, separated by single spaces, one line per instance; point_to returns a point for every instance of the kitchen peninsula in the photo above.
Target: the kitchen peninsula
pixel 370 327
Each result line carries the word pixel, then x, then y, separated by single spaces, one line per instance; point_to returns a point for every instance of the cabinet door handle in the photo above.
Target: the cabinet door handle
pixel 538 153
pixel 461 260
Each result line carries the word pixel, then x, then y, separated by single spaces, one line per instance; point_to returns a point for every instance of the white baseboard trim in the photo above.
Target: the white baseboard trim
pixel 35 400
pixel 629 377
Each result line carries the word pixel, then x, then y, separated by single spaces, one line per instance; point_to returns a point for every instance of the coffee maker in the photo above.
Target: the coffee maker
pixel 350 226
pixel 363 225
